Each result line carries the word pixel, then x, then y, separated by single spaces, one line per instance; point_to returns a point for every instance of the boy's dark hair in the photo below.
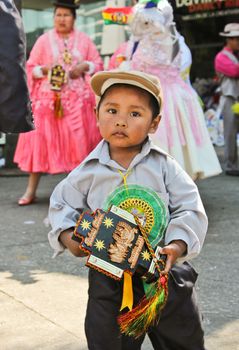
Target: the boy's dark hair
pixel 153 103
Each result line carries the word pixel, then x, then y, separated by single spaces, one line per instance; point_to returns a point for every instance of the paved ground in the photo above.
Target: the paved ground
pixel 43 300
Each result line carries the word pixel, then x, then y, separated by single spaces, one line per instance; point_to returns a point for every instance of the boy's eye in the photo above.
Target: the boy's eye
pixel 135 114
pixel 111 111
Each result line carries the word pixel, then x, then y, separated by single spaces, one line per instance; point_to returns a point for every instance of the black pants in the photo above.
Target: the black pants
pixel 179 327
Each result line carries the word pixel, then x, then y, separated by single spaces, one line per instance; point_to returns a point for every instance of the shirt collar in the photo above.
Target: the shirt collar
pixel 101 153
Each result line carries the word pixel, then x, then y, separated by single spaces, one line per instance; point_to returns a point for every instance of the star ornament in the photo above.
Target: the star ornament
pixel 108 222
pixel 99 244
pixel 145 255
pixel 85 225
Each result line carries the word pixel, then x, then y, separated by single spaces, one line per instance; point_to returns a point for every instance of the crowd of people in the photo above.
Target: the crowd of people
pixel 59 69
pixel 132 136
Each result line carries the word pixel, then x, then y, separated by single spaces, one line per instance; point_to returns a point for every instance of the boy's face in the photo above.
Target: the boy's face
pixel 125 117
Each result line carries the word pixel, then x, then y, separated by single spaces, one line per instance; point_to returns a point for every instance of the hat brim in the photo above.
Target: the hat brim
pixel 68 6
pixel 230 35
pixel 101 81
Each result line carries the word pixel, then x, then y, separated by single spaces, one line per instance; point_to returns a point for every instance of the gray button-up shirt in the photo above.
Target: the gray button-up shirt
pixel 88 185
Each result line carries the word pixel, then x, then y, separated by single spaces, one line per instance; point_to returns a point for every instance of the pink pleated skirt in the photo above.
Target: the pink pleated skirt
pixel 58 145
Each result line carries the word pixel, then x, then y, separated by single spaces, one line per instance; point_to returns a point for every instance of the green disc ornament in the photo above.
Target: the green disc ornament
pixel 146 204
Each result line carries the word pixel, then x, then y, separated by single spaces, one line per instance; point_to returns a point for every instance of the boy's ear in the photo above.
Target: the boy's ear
pixel 155 124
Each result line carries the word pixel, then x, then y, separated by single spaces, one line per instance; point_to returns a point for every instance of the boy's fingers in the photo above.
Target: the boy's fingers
pixel 163 251
pixel 168 265
pixel 169 260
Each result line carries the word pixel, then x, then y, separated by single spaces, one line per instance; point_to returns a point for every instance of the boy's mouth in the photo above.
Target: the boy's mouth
pixel 119 134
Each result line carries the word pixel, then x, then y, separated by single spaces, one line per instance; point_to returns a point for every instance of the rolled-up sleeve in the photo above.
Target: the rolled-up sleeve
pixel 66 204
pixel 188 220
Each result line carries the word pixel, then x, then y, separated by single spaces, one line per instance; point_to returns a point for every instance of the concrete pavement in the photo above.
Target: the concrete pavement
pixel 43 300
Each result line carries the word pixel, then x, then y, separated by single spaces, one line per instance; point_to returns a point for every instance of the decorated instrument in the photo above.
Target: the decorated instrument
pixel 114 243
pixel 123 238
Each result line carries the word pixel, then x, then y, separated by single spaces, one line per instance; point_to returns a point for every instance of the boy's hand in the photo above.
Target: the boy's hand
pixel 73 246
pixel 173 250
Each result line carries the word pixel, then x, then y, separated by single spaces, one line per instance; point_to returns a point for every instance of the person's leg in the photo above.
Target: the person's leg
pixel 179 327
pixel 101 327
pixel 230 123
pixel 30 193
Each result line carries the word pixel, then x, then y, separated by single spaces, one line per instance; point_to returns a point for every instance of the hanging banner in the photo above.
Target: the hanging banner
pixel 194 9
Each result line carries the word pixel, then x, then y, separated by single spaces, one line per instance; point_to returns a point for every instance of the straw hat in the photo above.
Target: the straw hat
pixel 231 30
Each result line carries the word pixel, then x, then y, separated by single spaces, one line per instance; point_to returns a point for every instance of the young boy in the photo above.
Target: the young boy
pixel 128 109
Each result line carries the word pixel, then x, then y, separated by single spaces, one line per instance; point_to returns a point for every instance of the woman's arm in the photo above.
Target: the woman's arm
pixel 91 62
pixel 38 62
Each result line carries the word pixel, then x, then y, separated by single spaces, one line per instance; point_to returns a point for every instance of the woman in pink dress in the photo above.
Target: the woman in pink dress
pixel 59 69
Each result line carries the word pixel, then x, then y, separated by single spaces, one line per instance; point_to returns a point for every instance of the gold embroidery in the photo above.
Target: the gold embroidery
pixel 89 240
pixel 136 252
pixel 123 236
pixel 98 218
pixel 67 57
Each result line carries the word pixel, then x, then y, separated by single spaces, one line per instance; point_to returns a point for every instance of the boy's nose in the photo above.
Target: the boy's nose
pixel 121 123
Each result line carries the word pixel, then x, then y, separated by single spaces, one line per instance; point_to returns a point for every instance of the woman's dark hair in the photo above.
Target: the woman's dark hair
pixel 73 11
pixel 153 103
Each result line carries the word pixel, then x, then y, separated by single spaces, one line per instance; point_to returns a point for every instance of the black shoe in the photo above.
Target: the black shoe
pixel 232 172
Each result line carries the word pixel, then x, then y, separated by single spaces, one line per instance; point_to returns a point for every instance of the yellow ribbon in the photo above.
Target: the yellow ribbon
pixel 128 298
pixel 124 177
